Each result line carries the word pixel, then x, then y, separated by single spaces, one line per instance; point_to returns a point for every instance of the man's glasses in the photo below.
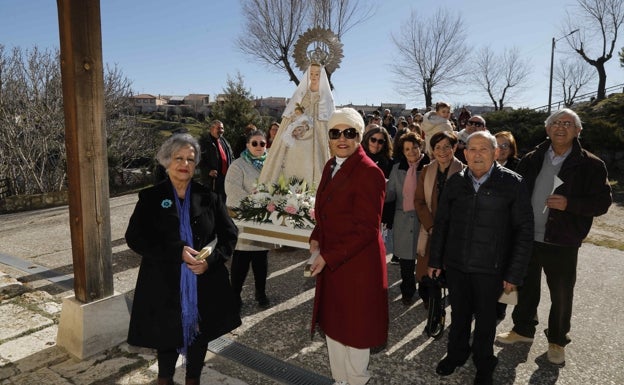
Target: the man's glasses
pixel 349 133
pixel 380 141
pixel 256 143
pixel 561 123
pixel 474 123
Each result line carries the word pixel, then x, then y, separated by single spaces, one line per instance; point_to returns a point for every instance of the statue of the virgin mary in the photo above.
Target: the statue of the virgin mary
pixel 301 147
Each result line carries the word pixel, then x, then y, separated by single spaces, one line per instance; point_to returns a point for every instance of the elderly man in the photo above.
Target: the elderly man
pixel 482 237
pixel 569 187
pixel 474 124
pixel 216 157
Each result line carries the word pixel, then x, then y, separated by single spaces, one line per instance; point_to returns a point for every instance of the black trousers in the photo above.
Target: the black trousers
pixel 408 277
pixel 240 267
pixel 559 265
pixel 194 359
pixel 473 294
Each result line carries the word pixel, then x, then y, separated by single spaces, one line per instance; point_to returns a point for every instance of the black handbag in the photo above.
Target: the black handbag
pixel 436 288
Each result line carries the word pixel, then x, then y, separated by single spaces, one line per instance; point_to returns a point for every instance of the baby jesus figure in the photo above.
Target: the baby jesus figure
pixel 299 128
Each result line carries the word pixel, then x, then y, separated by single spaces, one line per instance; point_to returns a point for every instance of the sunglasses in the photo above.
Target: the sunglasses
pixel 349 133
pixel 476 124
pixel 256 144
pixel 375 140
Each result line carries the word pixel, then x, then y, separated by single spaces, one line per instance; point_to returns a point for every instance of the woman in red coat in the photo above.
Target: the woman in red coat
pixel 351 300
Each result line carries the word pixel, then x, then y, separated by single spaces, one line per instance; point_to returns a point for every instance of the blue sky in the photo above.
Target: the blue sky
pixel 177 48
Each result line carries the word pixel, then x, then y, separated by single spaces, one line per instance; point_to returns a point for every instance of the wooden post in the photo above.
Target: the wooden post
pixel 85 139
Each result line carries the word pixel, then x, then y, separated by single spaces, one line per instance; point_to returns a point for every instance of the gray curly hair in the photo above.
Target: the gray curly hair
pixel 174 144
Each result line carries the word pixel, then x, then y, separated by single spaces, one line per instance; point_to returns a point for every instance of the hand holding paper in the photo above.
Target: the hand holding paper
pixel 557 182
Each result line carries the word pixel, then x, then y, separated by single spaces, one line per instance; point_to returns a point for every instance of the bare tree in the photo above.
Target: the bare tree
pixel 430 53
pixel 598 23
pixel 273 27
pixel 572 76
pixel 339 15
pixel 32 134
pixel 32 146
pixel 621 54
pixel 500 76
pixel 129 143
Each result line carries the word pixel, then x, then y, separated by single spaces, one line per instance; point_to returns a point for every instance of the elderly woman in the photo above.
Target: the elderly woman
pixel 240 181
pixel 431 182
pixel 351 299
pixel 181 302
pixel 401 188
pixel 507 150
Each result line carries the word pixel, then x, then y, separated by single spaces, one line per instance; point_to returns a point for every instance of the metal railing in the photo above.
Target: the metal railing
pixel 579 98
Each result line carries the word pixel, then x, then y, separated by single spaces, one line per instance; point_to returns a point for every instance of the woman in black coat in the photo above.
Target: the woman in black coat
pixel 171 223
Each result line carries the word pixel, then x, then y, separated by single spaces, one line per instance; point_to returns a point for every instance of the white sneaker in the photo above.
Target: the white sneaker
pixel 341 383
pixel 556 354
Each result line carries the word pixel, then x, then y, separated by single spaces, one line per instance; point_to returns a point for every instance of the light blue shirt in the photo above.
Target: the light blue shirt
pixel 476 183
pixel 556 159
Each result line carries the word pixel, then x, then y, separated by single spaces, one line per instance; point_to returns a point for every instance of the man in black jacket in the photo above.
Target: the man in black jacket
pixel 482 237
pixel 569 187
pixel 216 157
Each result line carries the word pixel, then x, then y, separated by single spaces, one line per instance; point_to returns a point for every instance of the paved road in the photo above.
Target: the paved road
pixel 595 356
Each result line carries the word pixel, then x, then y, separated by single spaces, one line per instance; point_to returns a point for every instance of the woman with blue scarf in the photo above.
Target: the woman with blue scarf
pixel 181 303
pixel 240 181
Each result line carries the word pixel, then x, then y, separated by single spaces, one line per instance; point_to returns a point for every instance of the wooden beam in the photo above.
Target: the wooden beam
pixel 85 140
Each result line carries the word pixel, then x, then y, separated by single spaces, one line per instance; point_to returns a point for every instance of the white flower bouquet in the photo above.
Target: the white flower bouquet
pixel 287 203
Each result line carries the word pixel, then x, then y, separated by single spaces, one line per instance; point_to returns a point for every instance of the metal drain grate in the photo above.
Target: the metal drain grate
pixel 263 363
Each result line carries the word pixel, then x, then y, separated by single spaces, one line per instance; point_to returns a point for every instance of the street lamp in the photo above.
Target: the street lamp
pixel 552 62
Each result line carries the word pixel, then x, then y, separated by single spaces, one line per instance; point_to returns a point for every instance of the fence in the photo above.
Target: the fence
pixel 580 98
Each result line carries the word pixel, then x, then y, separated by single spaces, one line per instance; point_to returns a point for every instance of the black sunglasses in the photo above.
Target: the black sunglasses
pixel 349 133
pixel 476 124
pixel 256 144
pixel 375 140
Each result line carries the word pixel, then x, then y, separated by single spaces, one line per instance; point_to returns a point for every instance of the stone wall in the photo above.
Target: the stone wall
pixel 32 202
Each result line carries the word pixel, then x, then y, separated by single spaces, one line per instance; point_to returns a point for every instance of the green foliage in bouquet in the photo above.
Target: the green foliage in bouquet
pixel 288 203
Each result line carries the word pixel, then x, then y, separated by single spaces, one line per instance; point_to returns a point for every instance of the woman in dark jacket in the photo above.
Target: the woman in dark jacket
pixel 507 150
pixel 181 302
pixel 378 146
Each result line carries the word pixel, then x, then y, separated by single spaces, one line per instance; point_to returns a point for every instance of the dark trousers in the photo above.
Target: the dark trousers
pixel 408 279
pixel 194 359
pixel 473 294
pixel 559 265
pixel 240 267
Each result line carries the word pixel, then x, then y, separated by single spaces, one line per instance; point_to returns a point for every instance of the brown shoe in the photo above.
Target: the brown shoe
pixel 556 354
pixel 165 381
pixel 512 337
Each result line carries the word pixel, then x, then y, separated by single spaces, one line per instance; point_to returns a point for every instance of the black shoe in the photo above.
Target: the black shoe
pixel 447 366
pixel 407 301
pixel 394 260
pixel 263 301
pixel 483 378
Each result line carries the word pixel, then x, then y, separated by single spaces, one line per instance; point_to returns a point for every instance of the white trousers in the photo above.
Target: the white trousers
pixel 347 363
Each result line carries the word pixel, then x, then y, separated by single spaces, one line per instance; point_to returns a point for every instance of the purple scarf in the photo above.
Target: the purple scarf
pixel 188 280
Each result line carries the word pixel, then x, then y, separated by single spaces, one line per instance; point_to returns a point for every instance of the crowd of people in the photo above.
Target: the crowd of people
pixel 443 199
